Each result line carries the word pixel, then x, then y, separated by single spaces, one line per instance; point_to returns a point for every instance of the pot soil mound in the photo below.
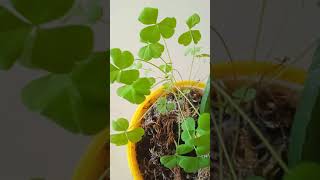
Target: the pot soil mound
pixel 161 133
pixel 272 111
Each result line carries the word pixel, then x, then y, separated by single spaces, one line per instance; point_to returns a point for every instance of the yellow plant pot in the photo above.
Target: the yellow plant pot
pixel 93 163
pixel 136 122
pixel 95 160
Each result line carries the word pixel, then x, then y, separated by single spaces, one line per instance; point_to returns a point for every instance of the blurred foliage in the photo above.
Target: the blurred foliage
pixel 40 35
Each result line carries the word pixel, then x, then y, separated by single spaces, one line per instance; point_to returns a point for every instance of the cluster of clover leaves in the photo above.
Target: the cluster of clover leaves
pixel 41 36
pixel 125 70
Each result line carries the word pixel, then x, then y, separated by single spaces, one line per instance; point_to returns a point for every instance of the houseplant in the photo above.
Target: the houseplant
pixel 264 117
pixel 170 128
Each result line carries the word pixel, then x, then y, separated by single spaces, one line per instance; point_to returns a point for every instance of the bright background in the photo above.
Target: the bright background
pixel 124 34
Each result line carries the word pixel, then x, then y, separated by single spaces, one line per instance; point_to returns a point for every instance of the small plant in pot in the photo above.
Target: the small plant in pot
pixel 264 117
pixel 169 134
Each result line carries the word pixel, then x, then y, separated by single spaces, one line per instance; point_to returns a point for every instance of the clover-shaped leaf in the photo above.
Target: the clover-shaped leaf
pixel 163 106
pixel 119 71
pixel 183 149
pixel 193 164
pixel 166 68
pixel 188 127
pixel 39 12
pixel 167 26
pixel 204 122
pixel 122 138
pixel 136 92
pixel 148 15
pixel 71 104
pixel 189 36
pixel 120 124
pixel 13 34
pixel 193 20
pixel 169 161
pixel 155 31
pixel 153 50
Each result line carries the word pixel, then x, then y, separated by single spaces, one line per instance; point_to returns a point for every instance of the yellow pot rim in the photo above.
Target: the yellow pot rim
pixel 136 122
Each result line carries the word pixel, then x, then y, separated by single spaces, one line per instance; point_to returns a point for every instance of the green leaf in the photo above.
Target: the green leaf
pixel 185 38
pixel 205 101
pixel 186 136
pixel 245 94
pixel 188 124
pixel 135 135
pixel 90 80
pixel 192 51
pixel 170 161
pixel 171 106
pixel 166 68
pixel 114 73
pixel 305 129
pixel 304 171
pixel 119 139
pixel 59 99
pixel 204 122
pixel 150 51
pixel 193 164
pixel 162 105
pixel 59 49
pixel 202 140
pixel 196 36
pixel 149 16
pixel 167 26
pixel 13 34
pixel 136 92
pixel 150 34
pixel 128 76
pixel 120 124
pixel 121 59
pixel 39 12
pixel 203 150
pixel 183 149
pixel 193 20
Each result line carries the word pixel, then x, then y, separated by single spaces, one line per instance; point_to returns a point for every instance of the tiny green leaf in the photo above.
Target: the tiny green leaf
pixel 185 38
pixel 188 124
pixel 193 20
pixel 183 149
pixel 162 105
pixel 120 124
pixel 150 34
pixel 135 135
pixel 136 92
pixel 203 150
pixel 128 76
pixel 193 164
pixel 150 51
pixel 119 139
pixel 167 26
pixel 245 94
pixel 166 68
pixel 121 59
pixel 171 106
pixel 149 16
pixel 204 121
pixel 196 36
pixel 170 161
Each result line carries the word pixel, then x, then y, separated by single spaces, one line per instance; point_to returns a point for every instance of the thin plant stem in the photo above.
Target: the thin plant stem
pixel 253 126
pixel 259 31
pixel 178 74
pixel 300 56
pixel 223 146
pixel 180 110
pixel 195 109
pixel 151 65
pixel 226 49
pixel 105 174
pixel 168 53
pixel 191 68
pixel 220 152
pixel 163 60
